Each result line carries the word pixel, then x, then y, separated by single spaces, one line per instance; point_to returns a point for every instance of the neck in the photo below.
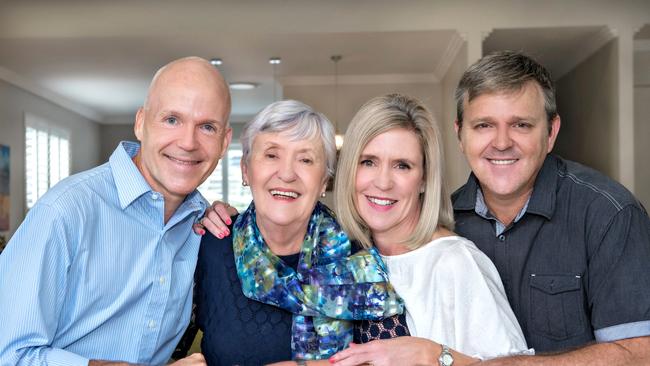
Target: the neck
pixel 171 202
pixel 282 240
pixel 505 209
pixel 394 241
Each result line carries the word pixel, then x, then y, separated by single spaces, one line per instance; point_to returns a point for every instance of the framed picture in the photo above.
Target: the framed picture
pixel 5 163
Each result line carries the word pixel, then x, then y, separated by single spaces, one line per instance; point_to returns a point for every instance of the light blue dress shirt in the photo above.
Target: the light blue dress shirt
pixel 94 272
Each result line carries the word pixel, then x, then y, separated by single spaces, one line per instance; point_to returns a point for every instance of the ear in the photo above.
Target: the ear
pixel 244 171
pixel 458 129
pixel 552 135
pixel 138 126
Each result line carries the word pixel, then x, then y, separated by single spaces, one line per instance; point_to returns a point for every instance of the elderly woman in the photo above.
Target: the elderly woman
pixel 391 195
pixel 284 285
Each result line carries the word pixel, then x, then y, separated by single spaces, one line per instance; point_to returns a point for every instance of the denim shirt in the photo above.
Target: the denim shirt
pixel 576 263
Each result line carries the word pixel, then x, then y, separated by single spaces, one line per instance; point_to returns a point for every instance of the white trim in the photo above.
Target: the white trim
pixel 25 84
pixel 586 49
pixel 360 79
pixel 453 47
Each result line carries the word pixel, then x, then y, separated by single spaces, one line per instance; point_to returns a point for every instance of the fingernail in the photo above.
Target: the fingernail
pixel 201 232
pixel 331 359
pixel 220 236
pixel 228 221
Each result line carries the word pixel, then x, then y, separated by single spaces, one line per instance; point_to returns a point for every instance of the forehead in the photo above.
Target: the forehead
pixel 527 100
pixel 395 143
pixel 288 141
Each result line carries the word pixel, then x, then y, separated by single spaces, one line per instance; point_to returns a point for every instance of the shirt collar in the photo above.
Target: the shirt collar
pixel 541 201
pixel 131 184
pixel 129 181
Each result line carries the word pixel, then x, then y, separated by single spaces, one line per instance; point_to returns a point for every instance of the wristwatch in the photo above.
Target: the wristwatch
pixel 445 359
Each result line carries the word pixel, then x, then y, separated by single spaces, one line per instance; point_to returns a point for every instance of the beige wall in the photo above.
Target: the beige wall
pixel 111 136
pixel 641 145
pixel 590 135
pixel 457 169
pixel 84 139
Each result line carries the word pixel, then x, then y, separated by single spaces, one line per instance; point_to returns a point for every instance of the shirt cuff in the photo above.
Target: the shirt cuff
pixel 59 357
pixel 622 331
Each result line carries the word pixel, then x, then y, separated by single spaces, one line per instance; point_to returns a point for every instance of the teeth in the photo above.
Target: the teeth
pixel 191 162
pixel 380 202
pixel 502 162
pixel 284 193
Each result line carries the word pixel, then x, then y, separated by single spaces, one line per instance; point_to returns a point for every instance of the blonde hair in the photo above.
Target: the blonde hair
pixel 374 118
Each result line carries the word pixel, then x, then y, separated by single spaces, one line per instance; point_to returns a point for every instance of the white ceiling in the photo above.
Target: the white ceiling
pixel 98 56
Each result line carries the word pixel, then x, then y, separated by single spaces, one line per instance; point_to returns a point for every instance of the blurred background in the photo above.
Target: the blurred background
pixel 73 73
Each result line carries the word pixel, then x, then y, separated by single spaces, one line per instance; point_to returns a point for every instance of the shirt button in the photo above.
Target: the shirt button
pixel 161 280
pixel 155 196
pixel 502 237
pixel 152 324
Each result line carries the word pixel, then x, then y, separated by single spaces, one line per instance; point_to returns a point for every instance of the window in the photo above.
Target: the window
pixel 225 182
pixel 47 157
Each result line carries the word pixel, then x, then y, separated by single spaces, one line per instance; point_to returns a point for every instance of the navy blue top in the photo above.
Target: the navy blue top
pixel 575 267
pixel 236 329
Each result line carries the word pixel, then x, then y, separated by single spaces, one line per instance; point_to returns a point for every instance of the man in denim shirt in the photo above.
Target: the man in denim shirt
pixel 571 245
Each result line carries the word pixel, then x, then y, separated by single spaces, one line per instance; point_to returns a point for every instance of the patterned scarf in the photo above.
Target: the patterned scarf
pixel 329 289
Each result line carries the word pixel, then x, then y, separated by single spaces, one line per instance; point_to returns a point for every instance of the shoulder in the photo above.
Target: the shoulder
pixel 460 260
pixel 593 186
pixel 81 189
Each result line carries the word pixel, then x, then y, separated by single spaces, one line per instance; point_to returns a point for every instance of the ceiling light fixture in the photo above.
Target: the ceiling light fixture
pixel 243 85
pixel 275 61
pixel 216 61
pixel 339 137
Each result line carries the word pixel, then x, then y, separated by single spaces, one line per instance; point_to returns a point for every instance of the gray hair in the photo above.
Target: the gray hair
pixel 507 71
pixel 302 123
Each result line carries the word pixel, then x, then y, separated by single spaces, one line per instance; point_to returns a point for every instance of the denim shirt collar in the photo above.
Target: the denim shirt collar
pixel 541 201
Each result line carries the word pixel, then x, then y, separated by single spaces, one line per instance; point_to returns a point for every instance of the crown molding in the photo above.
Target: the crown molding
pixel 585 50
pixel 360 79
pixel 449 55
pixel 25 84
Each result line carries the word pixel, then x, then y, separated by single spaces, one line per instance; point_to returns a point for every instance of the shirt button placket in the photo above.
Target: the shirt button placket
pixel 500 257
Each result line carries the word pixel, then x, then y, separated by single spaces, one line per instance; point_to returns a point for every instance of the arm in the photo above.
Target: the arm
pixel 397 351
pixel 632 351
pixel 195 359
pixel 33 270
pixel 618 268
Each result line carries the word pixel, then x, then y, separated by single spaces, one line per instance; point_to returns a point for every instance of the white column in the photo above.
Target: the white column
pixel 626 107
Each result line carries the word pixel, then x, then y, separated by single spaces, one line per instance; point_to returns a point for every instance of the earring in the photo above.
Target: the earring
pixel 244 183
pixel 323 195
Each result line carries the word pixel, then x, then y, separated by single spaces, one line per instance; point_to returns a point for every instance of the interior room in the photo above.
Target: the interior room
pixel 73 74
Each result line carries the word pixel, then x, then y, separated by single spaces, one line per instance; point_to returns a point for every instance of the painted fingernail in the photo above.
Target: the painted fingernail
pixel 228 221
pixel 201 232
pixel 220 236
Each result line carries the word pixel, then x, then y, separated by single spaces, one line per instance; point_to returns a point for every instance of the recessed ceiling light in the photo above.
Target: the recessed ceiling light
pixel 275 60
pixel 242 85
pixel 216 61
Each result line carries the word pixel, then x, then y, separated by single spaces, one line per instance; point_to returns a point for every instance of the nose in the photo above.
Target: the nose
pixel 286 170
pixel 187 139
pixel 502 140
pixel 384 179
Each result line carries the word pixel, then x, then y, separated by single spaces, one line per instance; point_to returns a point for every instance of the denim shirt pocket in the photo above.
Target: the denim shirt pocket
pixel 557 305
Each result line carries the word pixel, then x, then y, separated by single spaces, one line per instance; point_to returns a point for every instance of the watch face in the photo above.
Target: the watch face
pixel 447 359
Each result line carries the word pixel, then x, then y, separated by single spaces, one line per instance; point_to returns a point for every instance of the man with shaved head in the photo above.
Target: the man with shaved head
pixel 101 270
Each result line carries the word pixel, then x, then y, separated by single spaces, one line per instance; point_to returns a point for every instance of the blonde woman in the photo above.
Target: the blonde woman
pixel 390 194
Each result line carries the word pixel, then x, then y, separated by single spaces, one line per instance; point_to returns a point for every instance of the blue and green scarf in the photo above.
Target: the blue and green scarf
pixel 329 288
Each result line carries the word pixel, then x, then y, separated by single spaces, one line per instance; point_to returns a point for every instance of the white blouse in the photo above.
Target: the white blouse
pixel 454 296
